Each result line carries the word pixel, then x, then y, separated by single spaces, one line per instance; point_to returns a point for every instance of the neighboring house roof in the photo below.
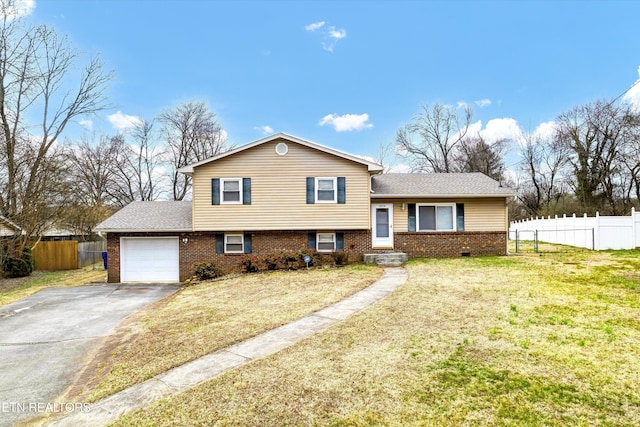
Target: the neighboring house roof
pixel 8 227
pixel 437 185
pixel 149 217
pixel 372 166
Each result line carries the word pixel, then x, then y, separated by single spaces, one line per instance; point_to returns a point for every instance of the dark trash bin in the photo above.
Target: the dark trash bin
pixel 104 259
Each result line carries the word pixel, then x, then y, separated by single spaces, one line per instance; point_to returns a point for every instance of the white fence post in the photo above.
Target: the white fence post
pixel 596 243
pixel 633 228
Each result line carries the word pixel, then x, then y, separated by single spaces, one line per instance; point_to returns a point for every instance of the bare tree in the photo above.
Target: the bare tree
pixel 595 133
pixel 36 70
pixel 475 154
pixel 543 162
pixel 136 175
pixel 431 140
pixel 94 163
pixel 192 133
pixel 631 156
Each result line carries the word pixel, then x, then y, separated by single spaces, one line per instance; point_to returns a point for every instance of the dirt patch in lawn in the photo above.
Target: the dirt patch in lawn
pixel 7 285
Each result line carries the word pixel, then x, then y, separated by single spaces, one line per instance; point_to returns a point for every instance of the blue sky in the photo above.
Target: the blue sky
pixel 348 74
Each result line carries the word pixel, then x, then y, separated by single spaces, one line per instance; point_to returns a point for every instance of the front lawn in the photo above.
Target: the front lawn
pixel 210 316
pixel 522 340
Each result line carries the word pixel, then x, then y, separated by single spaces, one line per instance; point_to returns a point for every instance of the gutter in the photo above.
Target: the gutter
pixel 439 196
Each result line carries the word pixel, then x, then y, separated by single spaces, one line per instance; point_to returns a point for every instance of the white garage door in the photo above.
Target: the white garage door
pixel 149 259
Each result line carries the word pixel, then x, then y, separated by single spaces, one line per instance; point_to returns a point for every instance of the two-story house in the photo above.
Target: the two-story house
pixel 283 193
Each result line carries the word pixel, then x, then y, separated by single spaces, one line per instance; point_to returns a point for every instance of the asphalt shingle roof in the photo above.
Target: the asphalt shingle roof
pixel 437 185
pixel 150 216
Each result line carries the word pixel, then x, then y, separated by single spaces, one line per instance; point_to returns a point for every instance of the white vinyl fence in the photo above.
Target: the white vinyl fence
pixel 599 232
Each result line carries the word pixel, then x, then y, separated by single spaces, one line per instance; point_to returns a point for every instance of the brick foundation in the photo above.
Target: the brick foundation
pixel 201 246
pixel 442 245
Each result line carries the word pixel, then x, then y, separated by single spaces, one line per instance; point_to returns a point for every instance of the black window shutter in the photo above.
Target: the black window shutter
pixel 460 216
pixel 412 216
pixel 311 190
pixel 247 243
pixel 220 243
pixel 339 241
pixel 246 191
pixel 342 189
pixel 312 240
pixel 215 191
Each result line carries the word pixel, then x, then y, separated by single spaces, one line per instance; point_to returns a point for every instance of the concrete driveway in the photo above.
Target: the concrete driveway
pixel 45 337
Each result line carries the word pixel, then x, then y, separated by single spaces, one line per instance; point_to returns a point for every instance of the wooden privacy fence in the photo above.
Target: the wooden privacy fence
pixel 53 256
pixel 67 254
pixel 90 253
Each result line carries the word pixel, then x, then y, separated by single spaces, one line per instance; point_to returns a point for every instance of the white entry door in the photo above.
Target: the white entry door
pixel 382 221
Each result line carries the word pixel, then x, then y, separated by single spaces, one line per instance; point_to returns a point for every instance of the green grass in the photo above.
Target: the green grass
pixel 23 287
pixel 549 340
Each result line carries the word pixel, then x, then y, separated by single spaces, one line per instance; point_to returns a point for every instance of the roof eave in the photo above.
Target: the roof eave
pixel 438 196
pixel 372 166
pixel 141 230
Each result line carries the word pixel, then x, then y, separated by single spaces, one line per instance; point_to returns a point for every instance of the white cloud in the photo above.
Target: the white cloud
pixel 314 26
pixel 266 130
pixel 545 131
pixel 123 122
pixel 21 8
pixel 496 129
pixel 346 122
pixel 399 168
pixel 505 128
pixel 87 124
pixel 462 104
pixel 330 35
pixel 483 102
pixel 337 34
pixel 632 97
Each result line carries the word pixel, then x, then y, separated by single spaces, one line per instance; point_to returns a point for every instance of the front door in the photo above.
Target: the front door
pixel 382 222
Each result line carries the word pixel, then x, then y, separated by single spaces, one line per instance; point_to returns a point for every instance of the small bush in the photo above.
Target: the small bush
pixel 250 263
pixel 206 271
pixel 316 257
pixel 271 262
pixel 290 261
pixel 287 260
pixel 18 266
pixel 340 258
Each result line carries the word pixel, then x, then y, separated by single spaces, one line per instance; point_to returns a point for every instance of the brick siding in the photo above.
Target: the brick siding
pixel 201 246
pixel 441 245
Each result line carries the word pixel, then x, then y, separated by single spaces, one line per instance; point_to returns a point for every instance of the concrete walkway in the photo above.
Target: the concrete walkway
pixel 210 366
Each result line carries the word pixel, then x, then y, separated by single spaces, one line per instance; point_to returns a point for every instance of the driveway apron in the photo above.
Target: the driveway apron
pixel 45 337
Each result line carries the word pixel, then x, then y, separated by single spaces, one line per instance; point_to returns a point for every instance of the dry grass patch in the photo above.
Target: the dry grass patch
pixel 12 290
pixel 480 341
pixel 213 315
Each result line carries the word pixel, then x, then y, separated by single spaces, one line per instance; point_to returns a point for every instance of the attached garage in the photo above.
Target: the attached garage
pixel 149 259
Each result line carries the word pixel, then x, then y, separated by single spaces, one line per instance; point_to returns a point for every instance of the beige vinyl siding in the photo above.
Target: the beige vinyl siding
pixel 479 214
pixel 485 215
pixel 278 191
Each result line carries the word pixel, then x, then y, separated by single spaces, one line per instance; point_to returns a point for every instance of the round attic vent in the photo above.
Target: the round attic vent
pixel 282 149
